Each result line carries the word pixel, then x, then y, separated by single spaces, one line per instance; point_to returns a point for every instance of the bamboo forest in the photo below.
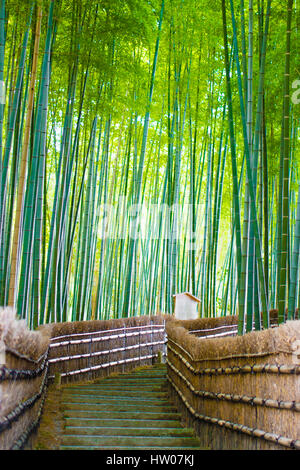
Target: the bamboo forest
pixel 149 147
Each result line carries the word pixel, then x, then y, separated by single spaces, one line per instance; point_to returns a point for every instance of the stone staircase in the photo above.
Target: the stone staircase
pixel 130 411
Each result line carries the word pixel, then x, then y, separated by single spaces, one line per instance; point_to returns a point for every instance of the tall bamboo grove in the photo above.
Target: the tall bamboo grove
pixel 149 148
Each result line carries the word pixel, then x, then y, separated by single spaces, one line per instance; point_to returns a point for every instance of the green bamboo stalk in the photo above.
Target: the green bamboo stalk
pixel 283 274
pixel 234 166
pixel 257 237
pixel 2 82
pixel 294 265
pixel 7 151
pixel 29 215
pixel 141 164
pixel 24 159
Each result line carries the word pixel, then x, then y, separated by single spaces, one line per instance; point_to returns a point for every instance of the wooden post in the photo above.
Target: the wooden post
pixel 57 380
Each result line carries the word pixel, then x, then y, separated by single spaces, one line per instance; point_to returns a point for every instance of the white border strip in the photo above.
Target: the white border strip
pixel 103 338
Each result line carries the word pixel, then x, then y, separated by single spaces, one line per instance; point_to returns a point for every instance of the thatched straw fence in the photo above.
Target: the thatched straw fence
pixel 86 350
pixel 23 379
pixel 78 351
pixel 238 392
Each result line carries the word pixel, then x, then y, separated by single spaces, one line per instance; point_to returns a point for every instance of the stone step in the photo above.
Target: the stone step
pixel 115 399
pixel 138 372
pixel 94 398
pixel 131 378
pixel 134 423
pixel 127 431
pixel 129 393
pixel 80 413
pixel 135 375
pixel 115 406
pixel 129 441
pixel 124 412
pixel 132 382
pixel 124 388
pixel 120 407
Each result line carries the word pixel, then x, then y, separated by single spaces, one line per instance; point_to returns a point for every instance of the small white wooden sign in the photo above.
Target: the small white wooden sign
pixel 186 306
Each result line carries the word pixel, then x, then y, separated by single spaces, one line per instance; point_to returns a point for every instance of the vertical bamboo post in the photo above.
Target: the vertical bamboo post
pixel 151 341
pixel 124 348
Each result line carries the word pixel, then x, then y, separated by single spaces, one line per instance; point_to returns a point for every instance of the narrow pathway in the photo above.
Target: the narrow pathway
pixel 127 411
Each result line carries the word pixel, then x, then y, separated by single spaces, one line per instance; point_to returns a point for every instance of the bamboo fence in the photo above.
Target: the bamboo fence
pixel 87 350
pixel 23 382
pixel 76 351
pixel 238 392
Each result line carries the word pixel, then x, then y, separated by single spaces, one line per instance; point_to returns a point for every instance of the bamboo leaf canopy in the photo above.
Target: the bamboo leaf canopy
pixel 149 148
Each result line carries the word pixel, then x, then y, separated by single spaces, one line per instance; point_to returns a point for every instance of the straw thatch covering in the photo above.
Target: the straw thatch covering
pixel 19 339
pixel 86 350
pixel 23 379
pixel 75 351
pixel 238 392
pixel 76 327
